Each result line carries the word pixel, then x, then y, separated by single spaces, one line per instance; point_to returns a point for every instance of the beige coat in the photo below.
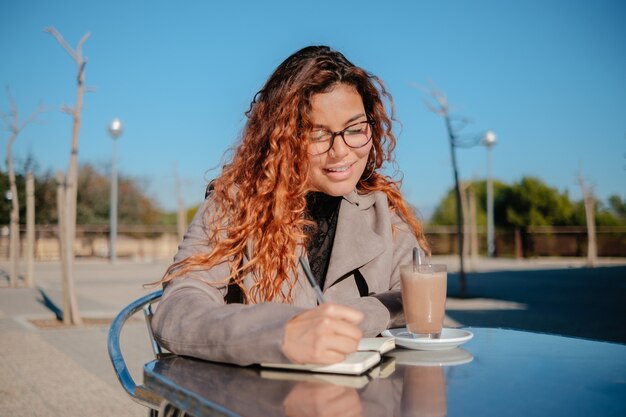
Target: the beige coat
pixel 193 319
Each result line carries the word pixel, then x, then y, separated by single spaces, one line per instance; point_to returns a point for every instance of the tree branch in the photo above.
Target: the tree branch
pixel 79 47
pixel 586 190
pixel 33 116
pixel 12 119
pixel 62 42
pixel 437 110
pixel 14 116
pixel 5 118
pixel 67 109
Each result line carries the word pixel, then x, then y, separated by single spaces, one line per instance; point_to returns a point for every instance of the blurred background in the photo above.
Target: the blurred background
pixel 546 81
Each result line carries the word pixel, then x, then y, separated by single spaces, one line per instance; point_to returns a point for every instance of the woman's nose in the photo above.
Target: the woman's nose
pixel 339 148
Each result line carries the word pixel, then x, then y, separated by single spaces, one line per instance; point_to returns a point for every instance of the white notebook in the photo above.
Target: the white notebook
pixel 354 364
pixel 377 344
pixel 368 355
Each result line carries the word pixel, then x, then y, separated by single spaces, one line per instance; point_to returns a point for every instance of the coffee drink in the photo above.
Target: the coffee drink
pixel 424 298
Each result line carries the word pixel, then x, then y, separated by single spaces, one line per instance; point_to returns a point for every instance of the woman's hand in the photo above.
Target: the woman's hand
pixel 322 335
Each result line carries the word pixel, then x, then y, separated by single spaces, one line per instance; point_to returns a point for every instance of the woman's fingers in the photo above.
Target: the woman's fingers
pixel 340 312
pixel 322 335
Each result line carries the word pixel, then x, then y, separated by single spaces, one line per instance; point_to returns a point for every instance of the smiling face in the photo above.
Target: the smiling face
pixel 337 171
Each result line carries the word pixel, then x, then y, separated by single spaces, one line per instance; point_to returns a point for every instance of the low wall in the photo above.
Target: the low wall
pixel 535 241
pixel 141 244
pixel 161 243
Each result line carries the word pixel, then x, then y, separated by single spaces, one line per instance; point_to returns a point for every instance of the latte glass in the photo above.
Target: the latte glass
pixel 424 298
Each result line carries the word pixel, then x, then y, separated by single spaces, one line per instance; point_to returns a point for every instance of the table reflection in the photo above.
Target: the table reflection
pixel 314 399
pixel 506 371
pixel 424 392
pixel 412 383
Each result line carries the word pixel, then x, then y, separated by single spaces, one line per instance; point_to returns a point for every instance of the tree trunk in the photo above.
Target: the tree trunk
pixel 14 237
pixel 181 223
pixel 590 202
pixel 519 251
pixel 69 195
pixel 61 214
pixel 30 230
pixel 14 125
pixel 70 306
pixel 181 218
pixel 466 219
pixel 473 225
pixel 592 252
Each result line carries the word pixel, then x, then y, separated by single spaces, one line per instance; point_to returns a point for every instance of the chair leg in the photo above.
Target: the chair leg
pixel 169 410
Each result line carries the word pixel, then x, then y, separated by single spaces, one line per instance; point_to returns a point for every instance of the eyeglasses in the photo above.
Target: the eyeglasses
pixel 354 136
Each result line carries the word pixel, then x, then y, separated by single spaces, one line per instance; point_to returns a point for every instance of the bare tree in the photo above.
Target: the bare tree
pixel 181 216
pixel 590 203
pixel 14 126
pixel 440 106
pixel 465 187
pixel 470 235
pixel 30 230
pixel 71 183
pixel 473 228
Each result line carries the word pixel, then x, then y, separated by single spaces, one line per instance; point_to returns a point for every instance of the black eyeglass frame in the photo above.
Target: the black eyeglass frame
pixel 342 132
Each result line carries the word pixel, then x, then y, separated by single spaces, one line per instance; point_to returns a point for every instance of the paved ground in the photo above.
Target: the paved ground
pixel 66 372
pixel 578 302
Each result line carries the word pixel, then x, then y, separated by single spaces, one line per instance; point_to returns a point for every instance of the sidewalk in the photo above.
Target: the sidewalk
pixel 65 371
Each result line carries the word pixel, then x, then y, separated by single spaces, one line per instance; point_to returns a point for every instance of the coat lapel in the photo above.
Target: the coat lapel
pixel 355 243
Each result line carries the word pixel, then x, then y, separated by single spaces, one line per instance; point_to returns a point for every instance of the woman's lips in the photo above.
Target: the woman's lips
pixel 339 172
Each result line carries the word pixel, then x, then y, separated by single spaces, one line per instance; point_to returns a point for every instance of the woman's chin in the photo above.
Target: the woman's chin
pixel 337 189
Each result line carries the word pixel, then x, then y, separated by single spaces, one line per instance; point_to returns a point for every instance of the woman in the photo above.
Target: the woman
pixel 304 181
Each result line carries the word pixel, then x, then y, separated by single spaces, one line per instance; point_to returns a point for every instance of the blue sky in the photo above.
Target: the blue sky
pixel 549 77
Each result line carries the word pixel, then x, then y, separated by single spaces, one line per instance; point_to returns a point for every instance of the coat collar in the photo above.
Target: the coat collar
pixel 363 202
pixel 356 243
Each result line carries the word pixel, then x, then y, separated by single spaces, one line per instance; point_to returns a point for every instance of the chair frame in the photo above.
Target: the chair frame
pixel 137 392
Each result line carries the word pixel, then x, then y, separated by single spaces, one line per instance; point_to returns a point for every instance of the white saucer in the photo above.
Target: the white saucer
pixel 452 357
pixel 449 339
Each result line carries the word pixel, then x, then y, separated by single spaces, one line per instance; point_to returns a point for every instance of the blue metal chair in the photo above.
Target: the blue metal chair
pixel 137 392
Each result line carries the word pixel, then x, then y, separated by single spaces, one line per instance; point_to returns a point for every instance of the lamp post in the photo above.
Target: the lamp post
pixel 115 130
pixel 489 140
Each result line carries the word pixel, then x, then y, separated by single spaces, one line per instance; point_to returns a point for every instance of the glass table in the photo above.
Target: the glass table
pixel 497 373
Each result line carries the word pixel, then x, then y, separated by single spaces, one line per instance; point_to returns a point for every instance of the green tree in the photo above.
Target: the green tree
pixel 135 207
pixel 617 207
pixel 530 202
pixel 45 196
pixel 611 214
pixel 5 203
pixel 94 198
pixel 169 218
pixel 445 213
pixel 94 191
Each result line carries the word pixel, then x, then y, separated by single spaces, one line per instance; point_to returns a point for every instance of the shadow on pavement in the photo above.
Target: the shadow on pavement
pixel 587 302
pixel 49 304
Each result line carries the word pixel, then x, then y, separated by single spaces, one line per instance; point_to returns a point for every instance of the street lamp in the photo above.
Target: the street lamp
pixel 115 130
pixel 489 140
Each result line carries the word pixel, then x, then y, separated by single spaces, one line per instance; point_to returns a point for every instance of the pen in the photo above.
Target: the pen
pixel 312 281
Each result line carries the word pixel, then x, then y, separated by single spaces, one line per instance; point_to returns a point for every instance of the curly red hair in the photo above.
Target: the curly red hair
pixel 260 196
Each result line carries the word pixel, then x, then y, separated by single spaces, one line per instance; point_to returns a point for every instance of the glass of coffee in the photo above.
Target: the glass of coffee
pixel 424 298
